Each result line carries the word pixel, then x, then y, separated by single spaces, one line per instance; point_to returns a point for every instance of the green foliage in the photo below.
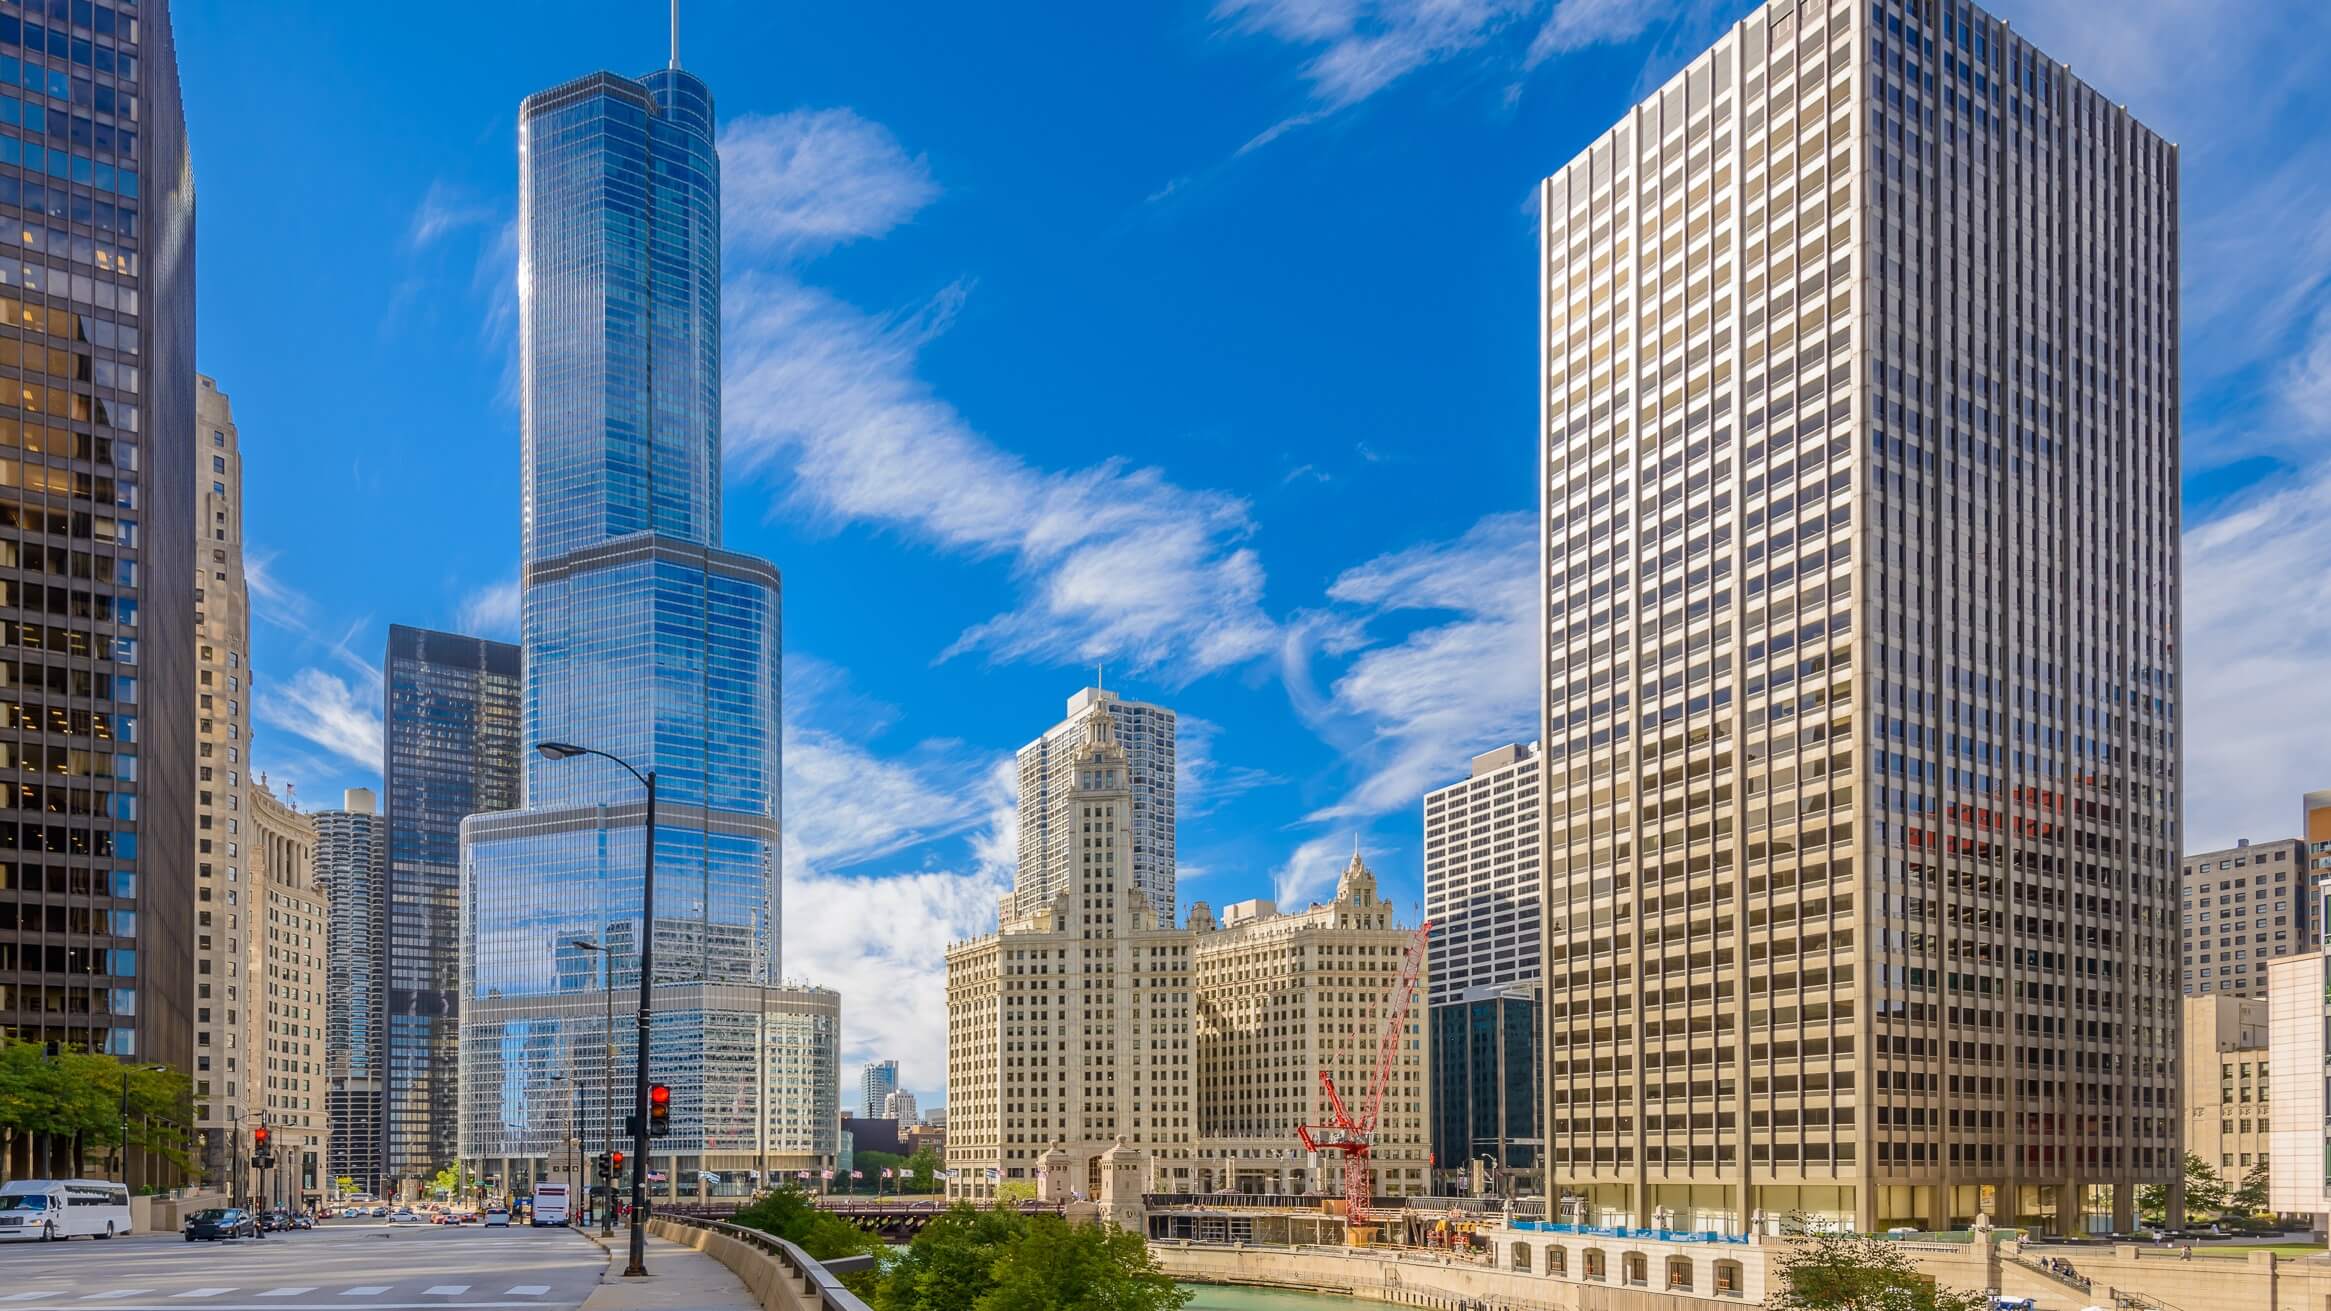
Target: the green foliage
pixel 444 1182
pixel 2205 1193
pixel 84 1097
pixel 1859 1272
pixel 1057 1266
pixel 969 1260
pixel 794 1217
pixel 2250 1198
pixel 1015 1190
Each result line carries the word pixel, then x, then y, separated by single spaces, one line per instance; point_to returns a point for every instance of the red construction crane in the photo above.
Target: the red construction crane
pixel 1356 1139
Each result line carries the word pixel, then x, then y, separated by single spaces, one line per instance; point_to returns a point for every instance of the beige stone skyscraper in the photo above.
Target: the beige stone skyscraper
pixel 226 903
pixel 1071 1023
pixel 1282 996
pixel 287 971
pixel 1860 549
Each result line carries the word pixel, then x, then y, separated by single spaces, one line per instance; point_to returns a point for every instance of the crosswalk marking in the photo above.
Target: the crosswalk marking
pixel 292 1290
pixel 114 1292
pixel 448 1289
pixel 26 1297
pixel 205 1292
pixel 365 1290
pixel 529 1290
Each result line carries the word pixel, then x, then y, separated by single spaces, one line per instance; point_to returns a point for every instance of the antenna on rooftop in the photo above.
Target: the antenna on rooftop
pixel 675 33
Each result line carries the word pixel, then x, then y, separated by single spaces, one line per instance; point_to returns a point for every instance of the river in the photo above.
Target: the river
pixel 1219 1297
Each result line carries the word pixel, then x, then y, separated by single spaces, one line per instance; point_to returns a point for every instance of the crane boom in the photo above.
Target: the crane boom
pixel 1356 1139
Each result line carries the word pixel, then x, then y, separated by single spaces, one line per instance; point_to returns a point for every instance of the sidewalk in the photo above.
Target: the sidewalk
pixel 679 1279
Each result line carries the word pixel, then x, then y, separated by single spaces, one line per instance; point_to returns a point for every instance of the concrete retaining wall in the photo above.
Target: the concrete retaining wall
pixel 768 1278
pixel 1413 1279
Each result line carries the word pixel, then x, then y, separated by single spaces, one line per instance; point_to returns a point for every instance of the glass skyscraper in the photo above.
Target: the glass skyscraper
pixel 644 639
pixel 98 442
pixel 451 729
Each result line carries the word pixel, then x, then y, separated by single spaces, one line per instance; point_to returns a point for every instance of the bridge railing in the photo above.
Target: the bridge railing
pixel 800 1282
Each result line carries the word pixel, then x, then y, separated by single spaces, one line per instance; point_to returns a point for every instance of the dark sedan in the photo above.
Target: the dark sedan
pixel 221 1222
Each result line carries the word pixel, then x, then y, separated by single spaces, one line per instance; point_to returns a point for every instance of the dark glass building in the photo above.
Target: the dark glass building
pixel 97 526
pixel 352 869
pixel 452 745
pixel 1485 1083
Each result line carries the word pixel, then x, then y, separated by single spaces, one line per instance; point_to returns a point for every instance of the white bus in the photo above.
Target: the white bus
pixel 47 1210
pixel 550 1204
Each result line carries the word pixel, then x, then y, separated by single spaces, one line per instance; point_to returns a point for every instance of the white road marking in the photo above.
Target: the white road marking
pixel 26 1297
pixel 365 1290
pixel 115 1292
pixel 205 1292
pixel 528 1290
pixel 291 1290
pixel 450 1290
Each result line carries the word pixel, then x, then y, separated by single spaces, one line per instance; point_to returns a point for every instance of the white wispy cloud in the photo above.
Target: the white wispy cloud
pixel 1356 48
pixel 328 711
pixel 443 209
pixel 1112 562
pixel 2257 622
pixel 796 183
pixel 1409 710
pixel 491 610
pixel 1204 784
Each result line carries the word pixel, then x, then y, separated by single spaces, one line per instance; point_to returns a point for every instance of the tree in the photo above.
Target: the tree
pixel 1057 1266
pixel 344 1185
pixel 792 1216
pixel 445 1181
pixel 79 1100
pixel 951 1263
pixel 2205 1193
pixel 1858 1272
pixel 1015 1190
pixel 2250 1198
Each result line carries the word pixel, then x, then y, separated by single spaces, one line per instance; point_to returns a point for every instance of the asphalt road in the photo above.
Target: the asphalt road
pixel 340 1265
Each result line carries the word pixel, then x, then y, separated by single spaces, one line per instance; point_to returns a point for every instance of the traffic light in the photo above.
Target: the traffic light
pixel 616 1158
pixel 599 1166
pixel 659 1110
pixel 262 1153
pixel 259 1139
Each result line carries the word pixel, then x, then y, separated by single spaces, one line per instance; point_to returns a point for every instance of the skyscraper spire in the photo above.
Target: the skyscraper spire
pixel 675 34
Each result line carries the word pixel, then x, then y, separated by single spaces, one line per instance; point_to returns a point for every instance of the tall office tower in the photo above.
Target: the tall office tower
pixel 2298 1092
pixel 1481 880
pixel 645 640
pixel 1094 964
pixel 1048 826
pixel 875 1085
pixel 2317 828
pixel 352 871
pixel 1486 1045
pixel 451 739
pixel 1860 546
pixel 900 1106
pixel 2227 1083
pixel 285 1033
pixel 98 437
pixel 1280 998
pixel 2240 908
pixel 226 1096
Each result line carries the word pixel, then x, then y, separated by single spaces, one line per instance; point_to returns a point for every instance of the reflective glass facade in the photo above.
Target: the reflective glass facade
pixel 98 442
pixel 451 725
pixel 1485 1079
pixel 645 640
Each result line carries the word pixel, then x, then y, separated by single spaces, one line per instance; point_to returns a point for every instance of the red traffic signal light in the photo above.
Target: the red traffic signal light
pixel 659 1110
pixel 259 1138
pixel 617 1157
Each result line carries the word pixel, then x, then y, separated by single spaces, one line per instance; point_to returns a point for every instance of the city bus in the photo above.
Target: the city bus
pixel 51 1209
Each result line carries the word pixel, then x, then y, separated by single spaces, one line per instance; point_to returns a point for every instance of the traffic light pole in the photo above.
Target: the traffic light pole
pixel 647 975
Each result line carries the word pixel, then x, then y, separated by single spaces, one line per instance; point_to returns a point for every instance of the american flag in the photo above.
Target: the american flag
pixel 854 1174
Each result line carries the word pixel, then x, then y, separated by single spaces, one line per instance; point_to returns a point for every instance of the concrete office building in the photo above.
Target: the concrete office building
pixel 451 729
pixel 290 923
pixel 1860 543
pixel 1482 874
pixel 2227 1086
pixel 352 871
pixel 2317 831
pixel 1282 996
pixel 2297 1018
pixel 1070 1025
pixel 875 1085
pixel 99 440
pixel 1049 827
pixel 227 1089
pixel 2240 908
pixel 900 1106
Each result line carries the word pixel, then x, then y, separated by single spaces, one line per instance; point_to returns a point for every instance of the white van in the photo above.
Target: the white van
pixel 49 1209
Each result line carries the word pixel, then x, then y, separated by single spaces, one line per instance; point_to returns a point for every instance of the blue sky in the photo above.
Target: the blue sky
pixel 1192 340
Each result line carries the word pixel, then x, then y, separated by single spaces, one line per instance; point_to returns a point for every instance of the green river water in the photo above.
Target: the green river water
pixel 1216 1297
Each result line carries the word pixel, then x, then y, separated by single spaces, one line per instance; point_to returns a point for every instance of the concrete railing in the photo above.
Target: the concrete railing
pixel 778 1273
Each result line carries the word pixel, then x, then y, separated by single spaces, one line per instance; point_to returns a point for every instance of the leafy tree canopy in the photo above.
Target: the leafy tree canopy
pixel 1859 1272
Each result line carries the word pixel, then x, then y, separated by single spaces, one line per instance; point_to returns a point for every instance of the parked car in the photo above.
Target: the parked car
pixel 380 1213
pixel 497 1217
pixel 403 1217
pixel 218 1223
pixel 301 1221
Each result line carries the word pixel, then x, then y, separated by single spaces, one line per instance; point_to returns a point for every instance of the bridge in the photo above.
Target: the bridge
pixel 894 1220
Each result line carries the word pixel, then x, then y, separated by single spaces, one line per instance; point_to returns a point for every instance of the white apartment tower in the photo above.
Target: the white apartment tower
pixel 1048 826
pixel 1070 1025
pixel 1481 874
pixel 1860 555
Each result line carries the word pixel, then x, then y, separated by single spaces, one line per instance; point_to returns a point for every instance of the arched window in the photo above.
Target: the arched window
pixel 1557 1261
pixel 1635 1268
pixel 1728 1282
pixel 1594 1264
pixel 1521 1256
pixel 1679 1274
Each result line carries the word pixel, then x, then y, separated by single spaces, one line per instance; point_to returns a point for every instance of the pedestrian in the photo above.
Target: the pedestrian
pixel 2185 1253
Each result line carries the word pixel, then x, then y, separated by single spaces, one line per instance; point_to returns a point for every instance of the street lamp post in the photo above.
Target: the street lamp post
pixel 607 1099
pixel 647 957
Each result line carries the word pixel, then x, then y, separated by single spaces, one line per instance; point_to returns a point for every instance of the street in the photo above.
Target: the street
pixel 341 1265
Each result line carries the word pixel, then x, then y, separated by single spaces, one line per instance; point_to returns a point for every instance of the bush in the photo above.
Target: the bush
pixel 793 1217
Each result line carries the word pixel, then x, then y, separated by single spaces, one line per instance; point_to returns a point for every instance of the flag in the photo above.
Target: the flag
pixel 801 1174
pixel 994 1174
pixel 857 1174
pixel 886 1172
pixel 826 1175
